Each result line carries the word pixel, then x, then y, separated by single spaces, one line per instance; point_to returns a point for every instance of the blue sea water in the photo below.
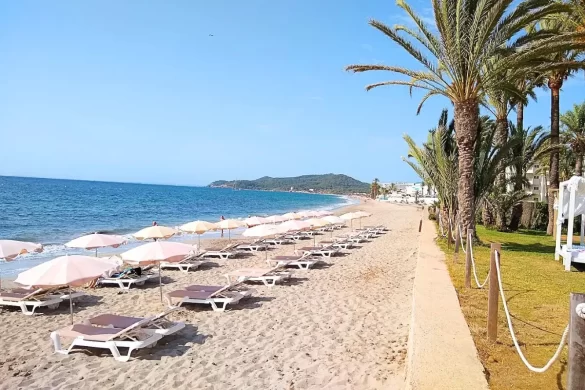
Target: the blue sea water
pixel 53 212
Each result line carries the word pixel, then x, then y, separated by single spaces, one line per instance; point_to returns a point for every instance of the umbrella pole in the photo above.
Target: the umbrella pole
pixel 199 244
pixel 71 304
pixel 95 252
pixel 160 280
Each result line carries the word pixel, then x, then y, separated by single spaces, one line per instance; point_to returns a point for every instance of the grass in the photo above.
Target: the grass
pixel 537 291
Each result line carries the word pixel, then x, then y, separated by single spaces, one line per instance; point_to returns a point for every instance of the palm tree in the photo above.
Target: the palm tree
pixel 472 36
pixel 573 127
pixel 566 62
pixel 375 187
pixel 529 148
pixel 437 161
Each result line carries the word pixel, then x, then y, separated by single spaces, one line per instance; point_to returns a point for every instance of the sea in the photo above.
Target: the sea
pixel 54 211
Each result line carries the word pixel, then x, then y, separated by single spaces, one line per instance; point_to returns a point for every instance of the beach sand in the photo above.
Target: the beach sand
pixel 342 326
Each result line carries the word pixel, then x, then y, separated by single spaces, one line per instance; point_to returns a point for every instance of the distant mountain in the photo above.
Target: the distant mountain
pixel 329 183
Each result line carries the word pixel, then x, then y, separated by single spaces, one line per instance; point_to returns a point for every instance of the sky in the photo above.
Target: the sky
pixel 188 92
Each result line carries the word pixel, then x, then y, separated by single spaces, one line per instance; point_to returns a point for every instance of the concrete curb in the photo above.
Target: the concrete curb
pixel 441 352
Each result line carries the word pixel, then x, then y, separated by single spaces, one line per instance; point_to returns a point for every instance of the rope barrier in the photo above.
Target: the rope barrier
pixel 511 328
pixel 461 238
pixel 473 266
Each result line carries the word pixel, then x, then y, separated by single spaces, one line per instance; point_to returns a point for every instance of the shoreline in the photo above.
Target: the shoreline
pixel 7 276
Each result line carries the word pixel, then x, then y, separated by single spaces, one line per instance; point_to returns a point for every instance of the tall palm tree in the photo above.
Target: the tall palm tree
pixel 566 62
pixel 472 36
pixel 573 134
pixel 374 188
pixel 437 161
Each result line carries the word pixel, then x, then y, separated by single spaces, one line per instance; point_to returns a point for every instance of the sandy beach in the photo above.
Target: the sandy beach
pixel 344 325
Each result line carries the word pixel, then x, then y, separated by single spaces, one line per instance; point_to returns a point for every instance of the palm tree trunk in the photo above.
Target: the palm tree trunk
pixel 579 165
pixel 466 128
pixel 501 137
pixel 520 116
pixel 555 84
pixel 517 209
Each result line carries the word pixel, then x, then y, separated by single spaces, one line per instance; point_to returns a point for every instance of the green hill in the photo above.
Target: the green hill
pixel 330 183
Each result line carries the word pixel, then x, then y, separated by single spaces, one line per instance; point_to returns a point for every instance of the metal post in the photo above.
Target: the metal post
pixel 468 259
pixel 160 280
pixel 71 304
pixel 576 376
pixel 493 295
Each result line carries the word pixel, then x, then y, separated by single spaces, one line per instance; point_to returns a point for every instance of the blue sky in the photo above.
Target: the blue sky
pixel 138 91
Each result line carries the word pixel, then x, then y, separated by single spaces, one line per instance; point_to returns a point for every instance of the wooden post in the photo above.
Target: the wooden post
pixel 457 239
pixel 468 259
pixel 449 236
pixel 420 226
pixel 493 295
pixel 576 377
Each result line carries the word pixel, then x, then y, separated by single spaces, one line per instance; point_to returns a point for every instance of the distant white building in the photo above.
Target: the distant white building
pixel 410 188
pixel 537 183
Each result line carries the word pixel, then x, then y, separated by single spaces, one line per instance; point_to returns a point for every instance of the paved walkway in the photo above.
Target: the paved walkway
pixel 442 354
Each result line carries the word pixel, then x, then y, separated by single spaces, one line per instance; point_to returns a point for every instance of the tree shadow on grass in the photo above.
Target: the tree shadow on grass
pixel 531 248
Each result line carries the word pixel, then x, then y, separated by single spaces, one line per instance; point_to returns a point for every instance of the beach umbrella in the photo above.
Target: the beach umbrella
pixel 155 252
pixel 197 227
pixel 274 219
pixel 293 225
pixel 254 221
pixel 229 224
pixel 333 219
pixel 360 215
pixel 95 241
pixel 11 249
pixel 74 270
pixel 305 214
pixel 290 216
pixel 317 223
pixel 349 217
pixel 322 213
pixel 262 231
pixel 155 233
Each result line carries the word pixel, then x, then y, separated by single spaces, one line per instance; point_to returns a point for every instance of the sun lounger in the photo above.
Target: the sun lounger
pixel 216 296
pixel 62 292
pixel 132 337
pixel 159 323
pixel 268 276
pixel 223 253
pixel 252 247
pixel 125 281
pixel 277 241
pixel 355 238
pixel 341 244
pixel 325 251
pixel 34 300
pixel 302 262
pixel 235 287
pixel 190 262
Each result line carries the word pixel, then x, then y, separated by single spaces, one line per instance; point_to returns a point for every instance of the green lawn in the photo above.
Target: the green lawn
pixel 537 291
